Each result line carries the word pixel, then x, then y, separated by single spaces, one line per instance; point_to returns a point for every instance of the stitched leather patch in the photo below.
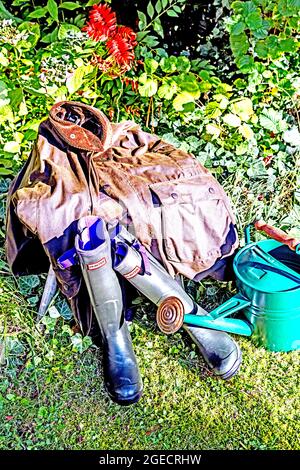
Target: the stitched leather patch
pixel 132 273
pixel 99 264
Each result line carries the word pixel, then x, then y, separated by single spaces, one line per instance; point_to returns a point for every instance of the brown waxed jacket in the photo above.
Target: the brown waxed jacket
pixel 82 164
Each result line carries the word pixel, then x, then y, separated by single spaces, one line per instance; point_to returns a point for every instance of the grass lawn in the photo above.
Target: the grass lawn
pixel 52 395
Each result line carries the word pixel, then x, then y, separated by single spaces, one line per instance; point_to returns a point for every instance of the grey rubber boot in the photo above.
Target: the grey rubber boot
pixel 218 349
pixel 121 374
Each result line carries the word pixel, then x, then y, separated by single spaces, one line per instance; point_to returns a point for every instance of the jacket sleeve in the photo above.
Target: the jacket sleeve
pixel 24 251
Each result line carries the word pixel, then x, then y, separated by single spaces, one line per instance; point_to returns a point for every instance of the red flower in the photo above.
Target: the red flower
pixel 127 33
pixel 120 40
pixel 102 23
pixel 120 49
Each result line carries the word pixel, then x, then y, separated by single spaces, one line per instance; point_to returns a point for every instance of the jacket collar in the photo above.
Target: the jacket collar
pixel 81 126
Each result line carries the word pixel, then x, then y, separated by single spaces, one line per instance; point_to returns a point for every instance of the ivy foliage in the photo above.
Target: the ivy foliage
pixel 263 30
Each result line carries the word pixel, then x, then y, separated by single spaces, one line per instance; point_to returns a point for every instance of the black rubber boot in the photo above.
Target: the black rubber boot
pixel 121 374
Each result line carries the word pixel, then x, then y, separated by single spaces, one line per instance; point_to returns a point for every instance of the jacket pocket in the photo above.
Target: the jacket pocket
pixel 26 201
pixel 195 219
pixel 69 280
pixel 26 211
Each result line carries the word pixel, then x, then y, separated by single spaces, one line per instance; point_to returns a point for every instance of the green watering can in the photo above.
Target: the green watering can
pixel 268 301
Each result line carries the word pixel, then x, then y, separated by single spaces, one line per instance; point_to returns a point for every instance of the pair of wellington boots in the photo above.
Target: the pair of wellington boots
pixel 100 255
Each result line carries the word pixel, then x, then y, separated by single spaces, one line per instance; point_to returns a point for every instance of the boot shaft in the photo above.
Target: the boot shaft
pixel 94 252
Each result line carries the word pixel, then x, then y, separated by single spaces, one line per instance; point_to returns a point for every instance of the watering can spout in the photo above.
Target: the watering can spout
pixel 220 318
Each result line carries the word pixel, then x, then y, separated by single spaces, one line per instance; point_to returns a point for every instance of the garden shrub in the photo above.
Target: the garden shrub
pixel 235 107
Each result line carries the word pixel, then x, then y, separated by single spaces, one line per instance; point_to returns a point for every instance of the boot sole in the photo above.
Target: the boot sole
pixel 234 369
pixel 134 399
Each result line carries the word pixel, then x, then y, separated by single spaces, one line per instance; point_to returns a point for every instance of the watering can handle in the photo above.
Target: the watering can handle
pixel 278 234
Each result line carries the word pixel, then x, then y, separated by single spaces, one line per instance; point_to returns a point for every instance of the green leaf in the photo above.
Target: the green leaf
pixel 243 108
pixel 6 114
pixel 272 120
pixel 254 20
pixel 86 342
pixel 272 44
pixel 237 7
pixel 150 10
pixel 64 308
pixel 237 28
pixel 245 63
pixel 188 83
pixel 261 49
pixel 183 64
pixel 181 99
pixel 167 90
pixel 189 107
pixel 53 9
pixel 70 5
pixel 30 135
pixel 38 13
pixel 49 322
pixel 34 33
pixel 212 110
pixel 248 8
pixel 141 35
pixel 224 89
pixel 80 344
pixel 172 13
pixel 150 41
pixel 168 64
pixel 205 86
pixel 177 8
pixel 158 6
pixel 6 15
pixel 204 75
pixel 75 81
pixel 6 163
pixel 4 61
pixel 28 283
pixel 50 37
pixel 288 45
pixel 289 7
pixel 164 3
pixel 4 185
pixel 142 20
pixel 243 8
pixel 65 28
pixel 147 86
pixel 11 147
pixel 16 98
pixel 262 32
pixel 239 44
pixel 240 84
pixel 157 26
pixel 150 65
pixel 5 172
